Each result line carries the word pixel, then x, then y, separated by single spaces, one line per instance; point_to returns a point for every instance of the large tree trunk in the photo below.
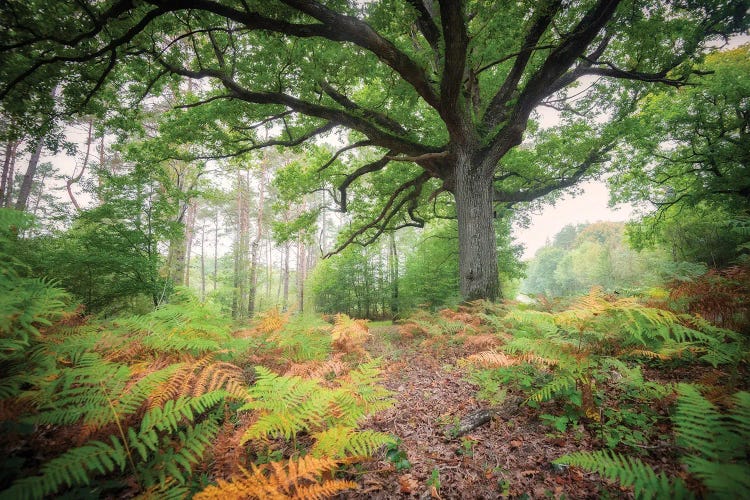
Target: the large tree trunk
pixel 477 252
pixel 28 179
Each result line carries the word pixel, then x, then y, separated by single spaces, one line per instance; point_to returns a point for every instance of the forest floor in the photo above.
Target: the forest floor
pixel 509 456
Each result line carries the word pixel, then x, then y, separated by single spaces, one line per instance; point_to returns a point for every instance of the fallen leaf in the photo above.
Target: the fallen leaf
pixel 516 443
pixel 530 472
pixel 407 483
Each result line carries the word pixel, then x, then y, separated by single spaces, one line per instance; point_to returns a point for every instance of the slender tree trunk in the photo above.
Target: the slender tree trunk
pixel 301 269
pixel 7 175
pixel 256 242
pixel 11 177
pixel 477 252
pixel 393 268
pixel 75 178
pixel 28 178
pixel 285 277
pixel 39 193
pixel 269 267
pixel 203 261
pixel 189 237
pixel 216 250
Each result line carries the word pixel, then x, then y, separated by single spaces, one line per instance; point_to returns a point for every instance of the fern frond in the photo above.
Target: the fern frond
pixel 491 359
pixel 176 459
pixel 73 467
pixel 723 480
pixel 342 442
pixel 280 480
pixel 697 422
pixel 558 384
pixel 628 471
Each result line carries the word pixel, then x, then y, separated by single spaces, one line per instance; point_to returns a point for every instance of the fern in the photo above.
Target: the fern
pixel 288 405
pixel 293 479
pixel 629 472
pixel 71 468
pixel 341 442
pixel 176 459
pixel 491 359
pixel 717 442
pixel 556 385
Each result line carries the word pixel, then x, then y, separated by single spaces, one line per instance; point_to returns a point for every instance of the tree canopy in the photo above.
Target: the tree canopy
pixel 434 100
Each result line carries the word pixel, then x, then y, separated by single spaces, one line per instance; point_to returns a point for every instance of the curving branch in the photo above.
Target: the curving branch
pixel 359 144
pixel 338 116
pixel 594 158
pixel 389 211
pixel 377 117
pixel 364 169
pixel 291 142
pixel 129 35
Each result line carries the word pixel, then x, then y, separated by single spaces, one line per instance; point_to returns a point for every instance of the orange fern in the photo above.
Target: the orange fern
pixel 298 479
pixel 349 335
pixel 492 359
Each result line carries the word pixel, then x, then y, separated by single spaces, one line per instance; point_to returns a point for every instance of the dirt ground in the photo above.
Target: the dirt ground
pixel 510 456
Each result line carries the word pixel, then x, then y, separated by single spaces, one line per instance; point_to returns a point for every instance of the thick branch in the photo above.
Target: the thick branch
pixel 454 67
pixel 351 29
pixel 426 24
pixel 378 118
pixel 542 19
pixel 338 116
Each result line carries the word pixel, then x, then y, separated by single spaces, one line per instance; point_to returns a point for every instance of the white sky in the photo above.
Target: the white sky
pixel 589 206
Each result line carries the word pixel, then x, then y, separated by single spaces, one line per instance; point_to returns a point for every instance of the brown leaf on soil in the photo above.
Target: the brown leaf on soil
pixel 407 483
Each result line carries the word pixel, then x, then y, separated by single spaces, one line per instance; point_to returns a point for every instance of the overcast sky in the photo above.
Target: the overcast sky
pixel 590 206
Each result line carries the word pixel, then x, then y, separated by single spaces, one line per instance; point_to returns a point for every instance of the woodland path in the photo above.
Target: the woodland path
pixel 508 457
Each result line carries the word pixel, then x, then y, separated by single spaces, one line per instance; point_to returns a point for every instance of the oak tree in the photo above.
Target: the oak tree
pixel 436 98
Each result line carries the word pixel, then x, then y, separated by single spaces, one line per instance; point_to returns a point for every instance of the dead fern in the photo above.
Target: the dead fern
pixel 349 335
pixel 197 377
pixel 491 359
pixel 300 478
pixel 271 321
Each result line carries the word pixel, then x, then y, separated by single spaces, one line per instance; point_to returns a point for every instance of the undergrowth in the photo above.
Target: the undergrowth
pixel 173 403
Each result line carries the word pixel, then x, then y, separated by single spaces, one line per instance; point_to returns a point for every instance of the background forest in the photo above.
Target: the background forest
pixel 265 250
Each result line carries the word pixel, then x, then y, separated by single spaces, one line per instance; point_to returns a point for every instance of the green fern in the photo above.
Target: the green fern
pixel 340 442
pixel 176 457
pixel 556 385
pixel 629 472
pixel 288 405
pixel 716 442
pixel 73 467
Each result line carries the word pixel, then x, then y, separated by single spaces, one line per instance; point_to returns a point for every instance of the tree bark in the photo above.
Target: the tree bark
pixel 285 277
pixel 28 179
pixel 256 243
pixel 6 181
pixel 203 261
pixel 393 268
pixel 477 251
pixel 192 213
pixel 76 178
